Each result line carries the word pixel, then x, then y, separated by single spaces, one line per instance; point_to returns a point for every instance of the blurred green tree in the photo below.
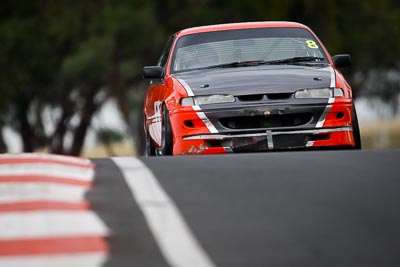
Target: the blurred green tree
pixel 61 60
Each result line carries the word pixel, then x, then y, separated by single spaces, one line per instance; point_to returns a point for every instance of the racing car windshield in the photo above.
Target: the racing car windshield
pixel 230 48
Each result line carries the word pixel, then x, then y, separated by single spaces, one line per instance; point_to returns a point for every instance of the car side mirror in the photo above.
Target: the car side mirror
pixel 153 72
pixel 342 60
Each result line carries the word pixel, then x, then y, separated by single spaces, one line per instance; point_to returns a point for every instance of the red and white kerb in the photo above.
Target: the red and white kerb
pixel 44 217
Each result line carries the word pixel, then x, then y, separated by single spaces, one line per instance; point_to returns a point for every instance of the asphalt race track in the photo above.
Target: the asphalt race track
pixel 322 208
pixel 315 208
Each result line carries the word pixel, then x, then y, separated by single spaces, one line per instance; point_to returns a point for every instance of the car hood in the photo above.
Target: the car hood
pixel 255 80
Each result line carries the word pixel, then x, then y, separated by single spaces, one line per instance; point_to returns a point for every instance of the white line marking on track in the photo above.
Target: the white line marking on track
pixel 68 260
pixel 40 224
pixel 177 243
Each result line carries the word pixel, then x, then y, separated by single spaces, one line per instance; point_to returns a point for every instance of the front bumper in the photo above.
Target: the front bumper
pixel 269 140
pixel 330 128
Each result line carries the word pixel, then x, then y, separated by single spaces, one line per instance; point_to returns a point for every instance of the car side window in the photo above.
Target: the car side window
pixel 165 55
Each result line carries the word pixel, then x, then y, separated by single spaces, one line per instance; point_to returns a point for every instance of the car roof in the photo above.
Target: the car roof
pixel 243 25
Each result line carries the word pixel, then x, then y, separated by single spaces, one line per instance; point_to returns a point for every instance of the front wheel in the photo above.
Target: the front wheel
pixel 149 150
pixel 166 133
pixel 356 130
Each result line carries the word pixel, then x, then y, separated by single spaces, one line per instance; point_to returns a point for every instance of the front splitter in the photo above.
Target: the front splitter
pixel 271 140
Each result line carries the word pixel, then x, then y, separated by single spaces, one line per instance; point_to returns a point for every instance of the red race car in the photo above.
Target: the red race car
pixel 247 87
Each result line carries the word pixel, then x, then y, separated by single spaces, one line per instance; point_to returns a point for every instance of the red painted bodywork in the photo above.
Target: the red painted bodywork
pixel 171 91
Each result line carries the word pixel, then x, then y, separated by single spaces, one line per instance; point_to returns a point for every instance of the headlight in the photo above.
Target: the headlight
pixel 319 93
pixel 207 99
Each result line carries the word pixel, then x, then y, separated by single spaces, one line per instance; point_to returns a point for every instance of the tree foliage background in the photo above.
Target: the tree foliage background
pixel 61 60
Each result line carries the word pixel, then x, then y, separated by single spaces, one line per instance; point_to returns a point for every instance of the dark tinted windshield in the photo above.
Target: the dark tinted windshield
pixel 264 44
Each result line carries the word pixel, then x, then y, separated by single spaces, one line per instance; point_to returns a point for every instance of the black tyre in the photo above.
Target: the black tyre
pixel 149 149
pixel 356 130
pixel 166 133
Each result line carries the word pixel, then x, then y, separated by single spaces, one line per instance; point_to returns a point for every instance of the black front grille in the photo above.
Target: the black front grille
pixel 247 98
pixel 259 97
pixel 279 96
pixel 270 121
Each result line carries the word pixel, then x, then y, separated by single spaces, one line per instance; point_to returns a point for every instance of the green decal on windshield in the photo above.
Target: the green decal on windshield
pixel 311 44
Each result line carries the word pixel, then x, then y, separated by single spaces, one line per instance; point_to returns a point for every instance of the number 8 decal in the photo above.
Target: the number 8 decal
pixel 311 44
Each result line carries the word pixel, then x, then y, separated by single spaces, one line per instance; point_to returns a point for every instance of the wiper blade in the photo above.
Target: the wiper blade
pixel 293 60
pixel 250 63
pixel 235 64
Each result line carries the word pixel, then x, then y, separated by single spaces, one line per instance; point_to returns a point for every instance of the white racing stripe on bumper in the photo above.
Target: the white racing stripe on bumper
pixel 173 236
pixel 310 143
pixel 207 122
pixel 210 126
pixel 328 108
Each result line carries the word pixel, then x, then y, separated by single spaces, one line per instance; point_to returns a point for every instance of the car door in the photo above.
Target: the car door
pixel 156 96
